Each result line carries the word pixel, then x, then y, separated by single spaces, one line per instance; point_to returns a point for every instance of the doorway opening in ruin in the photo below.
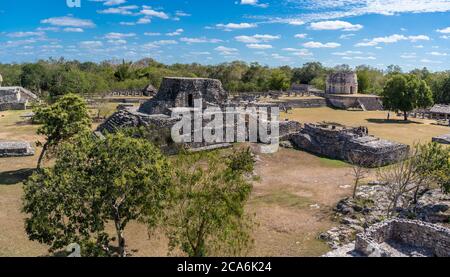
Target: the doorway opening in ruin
pixel 351 90
pixel 190 101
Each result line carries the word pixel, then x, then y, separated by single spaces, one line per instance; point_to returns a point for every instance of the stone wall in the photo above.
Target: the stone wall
pixel 304 103
pixel 15 149
pixel 349 144
pixel 342 83
pixel 431 238
pixel 367 103
pixel 181 92
pixel 12 106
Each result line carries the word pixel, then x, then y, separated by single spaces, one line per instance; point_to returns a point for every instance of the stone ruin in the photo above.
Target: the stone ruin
pixel 177 95
pixel 444 139
pixel 330 140
pixel 399 238
pixel 353 145
pixel 15 98
pixel 342 83
pixel 181 92
pixel 15 149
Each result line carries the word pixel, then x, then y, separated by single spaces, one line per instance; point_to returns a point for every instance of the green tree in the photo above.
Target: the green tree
pixel 279 80
pixel 307 73
pixel 33 77
pixel 123 71
pixel 96 181
pixel 207 216
pixel 60 121
pixel 363 81
pixel 406 93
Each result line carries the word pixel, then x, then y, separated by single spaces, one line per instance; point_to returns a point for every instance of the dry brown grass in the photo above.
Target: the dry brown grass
pixel 413 131
pixel 292 200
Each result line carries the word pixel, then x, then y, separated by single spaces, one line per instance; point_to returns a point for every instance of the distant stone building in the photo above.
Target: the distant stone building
pixel 440 111
pixel 342 83
pixel 1 80
pixel 181 92
pixel 15 98
pixel 353 145
pixel 399 238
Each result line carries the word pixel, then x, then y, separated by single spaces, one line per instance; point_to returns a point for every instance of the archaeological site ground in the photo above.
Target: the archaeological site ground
pixel 228 136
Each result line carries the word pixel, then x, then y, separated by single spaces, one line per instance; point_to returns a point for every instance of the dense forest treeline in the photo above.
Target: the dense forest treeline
pixel 55 77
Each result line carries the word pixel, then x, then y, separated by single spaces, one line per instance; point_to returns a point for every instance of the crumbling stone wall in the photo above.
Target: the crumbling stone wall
pixel 342 83
pixel 432 238
pixel 181 92
pixel 15 149
pixel 13 106
pixel 353 145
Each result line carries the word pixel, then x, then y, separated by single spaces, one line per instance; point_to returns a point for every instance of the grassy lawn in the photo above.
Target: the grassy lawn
pixel 410 132
pixel 292 199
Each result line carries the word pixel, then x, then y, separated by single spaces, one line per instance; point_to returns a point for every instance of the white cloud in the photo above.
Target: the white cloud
pixel 301 36
pixel 73 30
pixel 199 40
pixel 430 61
pixel 259 46
pixel 434 53
pixel 113 2
pixel 314 44
pixel 25 34
pixel 336 9
pixel 256 38
pixel 90 44
pixel 391 39
pixel 236 26
pixel 69 21
pixel 347 53
pixel 226 51
pixel 254 3
pixel 119 35
pixel 148 11
pixel 144 20
pixel 150 34
pixel 199 53
pixel 408 56
pixel 176 33
pixel 444 31
pixel 346 36
pixel 335 25
pixel 123 10
pixel 298 52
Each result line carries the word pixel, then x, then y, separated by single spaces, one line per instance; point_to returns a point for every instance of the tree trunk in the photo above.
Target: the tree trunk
pixel 41 157
pixel 355 189
pixel 405 114
pixel 120 234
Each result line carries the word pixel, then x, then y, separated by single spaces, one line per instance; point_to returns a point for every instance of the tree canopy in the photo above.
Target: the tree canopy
pixel 62 120
pixel 406 93
pixel 95 181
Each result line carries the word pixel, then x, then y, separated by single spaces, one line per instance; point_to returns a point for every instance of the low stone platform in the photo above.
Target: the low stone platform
pixel 15 149
pixel 349 144
pixel 444 139
pixel 398 238
pixel 356 101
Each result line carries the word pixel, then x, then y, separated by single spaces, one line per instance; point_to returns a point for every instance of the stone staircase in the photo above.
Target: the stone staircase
pixel 119 120
pixel 370 104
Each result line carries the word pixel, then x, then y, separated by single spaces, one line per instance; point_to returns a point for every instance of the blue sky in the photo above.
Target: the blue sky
pixel 410 33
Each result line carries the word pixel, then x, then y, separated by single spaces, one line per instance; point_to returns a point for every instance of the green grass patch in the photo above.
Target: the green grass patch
pixel 333 163
pixel 283 199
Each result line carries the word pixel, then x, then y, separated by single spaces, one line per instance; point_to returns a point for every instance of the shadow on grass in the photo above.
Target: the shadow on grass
pixel 15 177
pixel 392 121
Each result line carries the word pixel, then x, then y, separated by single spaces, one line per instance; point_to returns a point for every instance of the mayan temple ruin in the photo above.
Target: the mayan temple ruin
pixel 353 145
pixel 342 83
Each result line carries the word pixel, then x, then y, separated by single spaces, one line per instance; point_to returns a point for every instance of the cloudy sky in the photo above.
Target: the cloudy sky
pixel 410 33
